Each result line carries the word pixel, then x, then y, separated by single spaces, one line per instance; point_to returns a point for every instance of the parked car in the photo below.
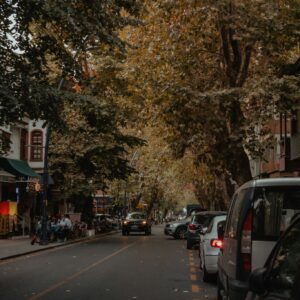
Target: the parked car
pixel 211 241
pixel 178 228
pixel 199 222
pixel 136 222
pixel 280 277
pixel 260 211
pixel 104 222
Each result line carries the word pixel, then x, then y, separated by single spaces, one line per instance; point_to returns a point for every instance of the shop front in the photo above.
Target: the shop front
pixel 17 196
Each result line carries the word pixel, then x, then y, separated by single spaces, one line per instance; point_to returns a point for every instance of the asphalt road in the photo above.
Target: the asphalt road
pixel 113 267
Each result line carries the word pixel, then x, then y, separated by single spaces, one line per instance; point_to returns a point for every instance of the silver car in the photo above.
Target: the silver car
pixel 178 228
pixel 210 245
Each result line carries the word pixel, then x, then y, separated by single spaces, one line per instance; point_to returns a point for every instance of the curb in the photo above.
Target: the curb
pixel 85 239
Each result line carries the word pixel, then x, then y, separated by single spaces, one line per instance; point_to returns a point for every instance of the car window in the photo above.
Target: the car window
pixel 235 212
pixel 284 275
pixel 273 210
pixel 202 219
pixel 136 216
pixel 210 226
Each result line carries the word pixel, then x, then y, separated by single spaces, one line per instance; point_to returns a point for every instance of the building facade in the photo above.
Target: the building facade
pixel 21 170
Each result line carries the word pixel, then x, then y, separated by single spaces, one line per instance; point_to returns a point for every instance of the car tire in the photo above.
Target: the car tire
pixel 189 245
pixel 206 276
pixel 180 233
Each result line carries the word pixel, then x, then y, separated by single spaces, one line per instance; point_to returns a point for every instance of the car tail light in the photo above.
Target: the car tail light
pixel 246 242
pixel 216 243
pixel 192 227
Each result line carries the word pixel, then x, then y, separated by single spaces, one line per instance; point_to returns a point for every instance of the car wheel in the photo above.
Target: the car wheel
pixel 180 233
pixel 189 245
pixel 206 276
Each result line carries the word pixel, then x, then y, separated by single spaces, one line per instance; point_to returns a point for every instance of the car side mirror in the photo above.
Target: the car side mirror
pixel 257 281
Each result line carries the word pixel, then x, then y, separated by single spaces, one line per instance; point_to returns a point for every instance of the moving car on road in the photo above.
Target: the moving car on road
pixel 210 244
pixel 136 222
pixel 199 222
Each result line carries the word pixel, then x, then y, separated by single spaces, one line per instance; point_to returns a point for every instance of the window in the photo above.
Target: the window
pixel 37 145
pixel 235 213
pixel 273 209
pixel 284 275
pixel 5 140
pixel 202 219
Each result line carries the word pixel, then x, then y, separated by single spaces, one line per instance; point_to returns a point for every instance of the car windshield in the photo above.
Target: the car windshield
pixel 136 216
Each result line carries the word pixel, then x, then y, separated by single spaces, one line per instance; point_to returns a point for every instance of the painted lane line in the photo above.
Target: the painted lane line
pixel 193 277
pixel 196 288
pixel 70 278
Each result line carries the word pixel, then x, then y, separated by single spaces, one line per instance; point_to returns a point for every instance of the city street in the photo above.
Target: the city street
pixel 109 267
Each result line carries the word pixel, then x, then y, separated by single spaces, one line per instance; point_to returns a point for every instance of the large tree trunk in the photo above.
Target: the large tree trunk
pixel 236 61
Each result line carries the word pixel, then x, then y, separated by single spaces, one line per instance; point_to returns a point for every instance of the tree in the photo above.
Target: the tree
pixel 35 34
pixel 199 62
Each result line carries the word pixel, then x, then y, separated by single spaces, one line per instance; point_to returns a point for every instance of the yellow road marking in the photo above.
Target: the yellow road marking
pixel 193 277
pixel 196 288
pixel 68 279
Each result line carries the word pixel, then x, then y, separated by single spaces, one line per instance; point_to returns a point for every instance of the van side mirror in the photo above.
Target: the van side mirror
pixel 257 281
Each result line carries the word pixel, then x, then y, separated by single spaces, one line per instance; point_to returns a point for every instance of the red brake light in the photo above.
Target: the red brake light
pixel 216 243
pixel 192 227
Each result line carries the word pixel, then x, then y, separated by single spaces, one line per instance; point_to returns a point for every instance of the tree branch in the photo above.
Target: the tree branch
pixel 244 71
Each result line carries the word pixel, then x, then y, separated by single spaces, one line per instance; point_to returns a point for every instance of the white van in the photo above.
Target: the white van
pixel 259 212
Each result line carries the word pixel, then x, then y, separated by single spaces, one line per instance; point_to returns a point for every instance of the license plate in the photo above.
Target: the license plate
pixel 134 227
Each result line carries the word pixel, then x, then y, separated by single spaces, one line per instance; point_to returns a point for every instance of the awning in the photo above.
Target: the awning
pixel 17 167
pixel 6 177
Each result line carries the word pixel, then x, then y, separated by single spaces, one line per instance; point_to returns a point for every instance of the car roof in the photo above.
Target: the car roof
pixel 216 213
pixel 282 181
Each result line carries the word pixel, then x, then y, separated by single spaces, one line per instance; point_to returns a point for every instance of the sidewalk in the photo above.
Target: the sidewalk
pixel 10 248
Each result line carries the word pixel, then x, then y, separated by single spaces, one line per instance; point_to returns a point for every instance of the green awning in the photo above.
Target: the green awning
pixel 17 167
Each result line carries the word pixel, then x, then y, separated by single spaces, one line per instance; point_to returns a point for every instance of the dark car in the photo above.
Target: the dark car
pixel 199 222
pixel 280 277
pixel 136 222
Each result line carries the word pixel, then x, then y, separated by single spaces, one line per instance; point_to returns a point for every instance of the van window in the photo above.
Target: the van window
pixel 235 212
pixel 273 210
